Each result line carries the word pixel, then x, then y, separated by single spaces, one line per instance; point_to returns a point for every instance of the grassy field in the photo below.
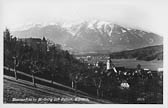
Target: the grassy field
pixel 20 91
pixel 132 63
pixel 28 94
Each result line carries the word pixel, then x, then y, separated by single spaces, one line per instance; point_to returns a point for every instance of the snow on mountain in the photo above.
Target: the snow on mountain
pixel 93 36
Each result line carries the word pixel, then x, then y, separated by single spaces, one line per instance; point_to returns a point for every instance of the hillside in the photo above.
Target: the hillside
pixel 21 91
pixel 146 53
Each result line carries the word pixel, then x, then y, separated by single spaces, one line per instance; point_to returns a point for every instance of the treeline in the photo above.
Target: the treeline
pixel 147 53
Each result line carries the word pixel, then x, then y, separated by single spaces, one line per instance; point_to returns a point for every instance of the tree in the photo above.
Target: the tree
pixel 52 62
pixel 53 70
pixel 97 76
pixel 34 64
pixel 77 73
pixel 17 53
pixel 7 35
pixel 16 64
pixel 34 68
pixel 12 51
pixel 8 61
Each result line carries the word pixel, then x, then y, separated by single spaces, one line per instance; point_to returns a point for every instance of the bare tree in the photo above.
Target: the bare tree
pixel 34 68
pixel 98 78
pixel 16 64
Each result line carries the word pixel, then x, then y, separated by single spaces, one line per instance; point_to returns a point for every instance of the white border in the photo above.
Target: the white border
pixel 165 100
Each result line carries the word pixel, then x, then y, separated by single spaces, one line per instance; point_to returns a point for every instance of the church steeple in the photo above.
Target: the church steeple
pixel 110 65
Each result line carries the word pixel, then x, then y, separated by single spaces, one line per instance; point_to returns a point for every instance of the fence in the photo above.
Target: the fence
pixel 44 80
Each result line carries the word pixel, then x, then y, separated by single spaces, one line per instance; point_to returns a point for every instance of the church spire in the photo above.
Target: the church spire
pixel 110 65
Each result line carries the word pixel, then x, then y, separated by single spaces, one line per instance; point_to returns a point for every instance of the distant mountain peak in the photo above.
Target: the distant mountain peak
pixel 93 36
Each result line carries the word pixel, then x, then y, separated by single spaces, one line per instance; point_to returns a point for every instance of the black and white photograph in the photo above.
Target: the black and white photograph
pixel 83 51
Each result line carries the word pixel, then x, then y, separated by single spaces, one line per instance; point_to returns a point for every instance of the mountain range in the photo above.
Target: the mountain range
pixel 93 36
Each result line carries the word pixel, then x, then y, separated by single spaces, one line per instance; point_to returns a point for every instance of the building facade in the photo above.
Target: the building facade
pixel 35 43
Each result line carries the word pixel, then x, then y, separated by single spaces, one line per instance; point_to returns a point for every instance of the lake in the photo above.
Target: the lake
pixel 132 63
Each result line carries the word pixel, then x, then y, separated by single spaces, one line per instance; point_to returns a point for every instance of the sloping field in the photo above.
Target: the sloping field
pixel 20 91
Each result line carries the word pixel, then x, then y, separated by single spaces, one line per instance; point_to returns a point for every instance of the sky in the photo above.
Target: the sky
pixel 148 15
